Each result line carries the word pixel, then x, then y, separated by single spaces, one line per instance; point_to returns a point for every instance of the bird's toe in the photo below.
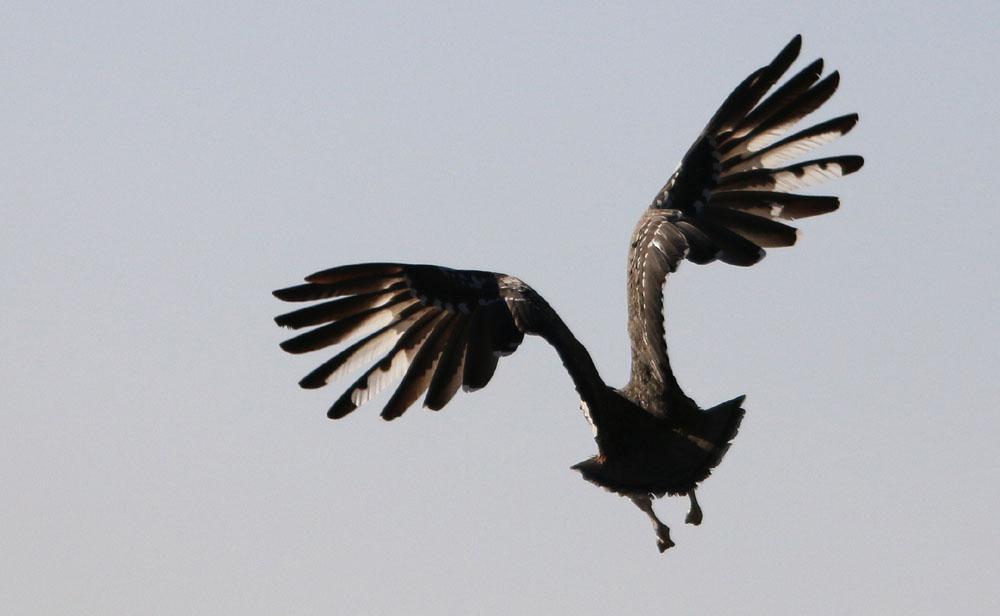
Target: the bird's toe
pixel 663 541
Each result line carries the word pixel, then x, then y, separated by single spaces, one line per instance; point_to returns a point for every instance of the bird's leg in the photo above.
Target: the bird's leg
pixel 694 513
pixel 662 531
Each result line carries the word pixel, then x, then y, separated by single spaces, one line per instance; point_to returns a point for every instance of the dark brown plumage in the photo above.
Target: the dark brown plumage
pixel 437 329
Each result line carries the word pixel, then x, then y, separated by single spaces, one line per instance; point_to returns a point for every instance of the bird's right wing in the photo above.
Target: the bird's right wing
pixel 730 198
pixel 733 186
pixel 437 328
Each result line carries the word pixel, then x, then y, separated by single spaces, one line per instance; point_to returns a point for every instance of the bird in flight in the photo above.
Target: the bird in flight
pixel 437 329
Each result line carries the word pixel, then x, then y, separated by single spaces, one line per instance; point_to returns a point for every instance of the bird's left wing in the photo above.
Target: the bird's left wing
pixel 437 328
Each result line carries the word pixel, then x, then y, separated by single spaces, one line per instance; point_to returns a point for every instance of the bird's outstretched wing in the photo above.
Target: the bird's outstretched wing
pixel 729 199
pixel 437 328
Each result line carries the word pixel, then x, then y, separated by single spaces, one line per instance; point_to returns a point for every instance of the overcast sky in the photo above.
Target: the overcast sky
pixel 163 169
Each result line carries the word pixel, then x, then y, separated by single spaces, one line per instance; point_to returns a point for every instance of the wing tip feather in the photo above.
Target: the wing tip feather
pixel 341 408
pixel 359 270
pixel 292 345
pixel 310 382
pixel 292 294
pixel 788 53
pixel 851 163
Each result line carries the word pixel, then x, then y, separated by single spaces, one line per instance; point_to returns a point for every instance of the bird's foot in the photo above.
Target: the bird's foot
pixel 663 539
pixel 694 513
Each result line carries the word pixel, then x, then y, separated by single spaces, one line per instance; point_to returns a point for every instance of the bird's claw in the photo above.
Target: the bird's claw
pixel 663 541
pixel 693 517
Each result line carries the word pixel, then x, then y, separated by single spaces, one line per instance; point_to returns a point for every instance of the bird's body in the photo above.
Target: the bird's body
pixel 440 329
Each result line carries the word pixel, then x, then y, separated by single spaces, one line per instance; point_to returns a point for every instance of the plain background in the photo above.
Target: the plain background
pixel 164 168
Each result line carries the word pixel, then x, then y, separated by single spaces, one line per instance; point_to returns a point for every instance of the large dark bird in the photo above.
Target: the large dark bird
pixel 441 328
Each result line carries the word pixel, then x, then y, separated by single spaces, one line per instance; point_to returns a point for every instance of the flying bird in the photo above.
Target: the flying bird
pixel 437 329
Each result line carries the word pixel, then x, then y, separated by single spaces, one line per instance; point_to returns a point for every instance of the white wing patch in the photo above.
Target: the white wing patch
pixel 380 319
pixel 380 379
pixel 586 414
pixel 374 348
pixel 787 152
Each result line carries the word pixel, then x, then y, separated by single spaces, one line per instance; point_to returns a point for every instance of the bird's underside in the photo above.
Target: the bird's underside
pixel 437 329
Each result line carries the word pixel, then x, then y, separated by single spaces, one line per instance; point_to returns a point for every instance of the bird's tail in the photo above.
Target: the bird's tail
pixel 718 426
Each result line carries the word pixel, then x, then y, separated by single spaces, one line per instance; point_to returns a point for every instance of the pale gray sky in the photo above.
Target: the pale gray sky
pixel 163 169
